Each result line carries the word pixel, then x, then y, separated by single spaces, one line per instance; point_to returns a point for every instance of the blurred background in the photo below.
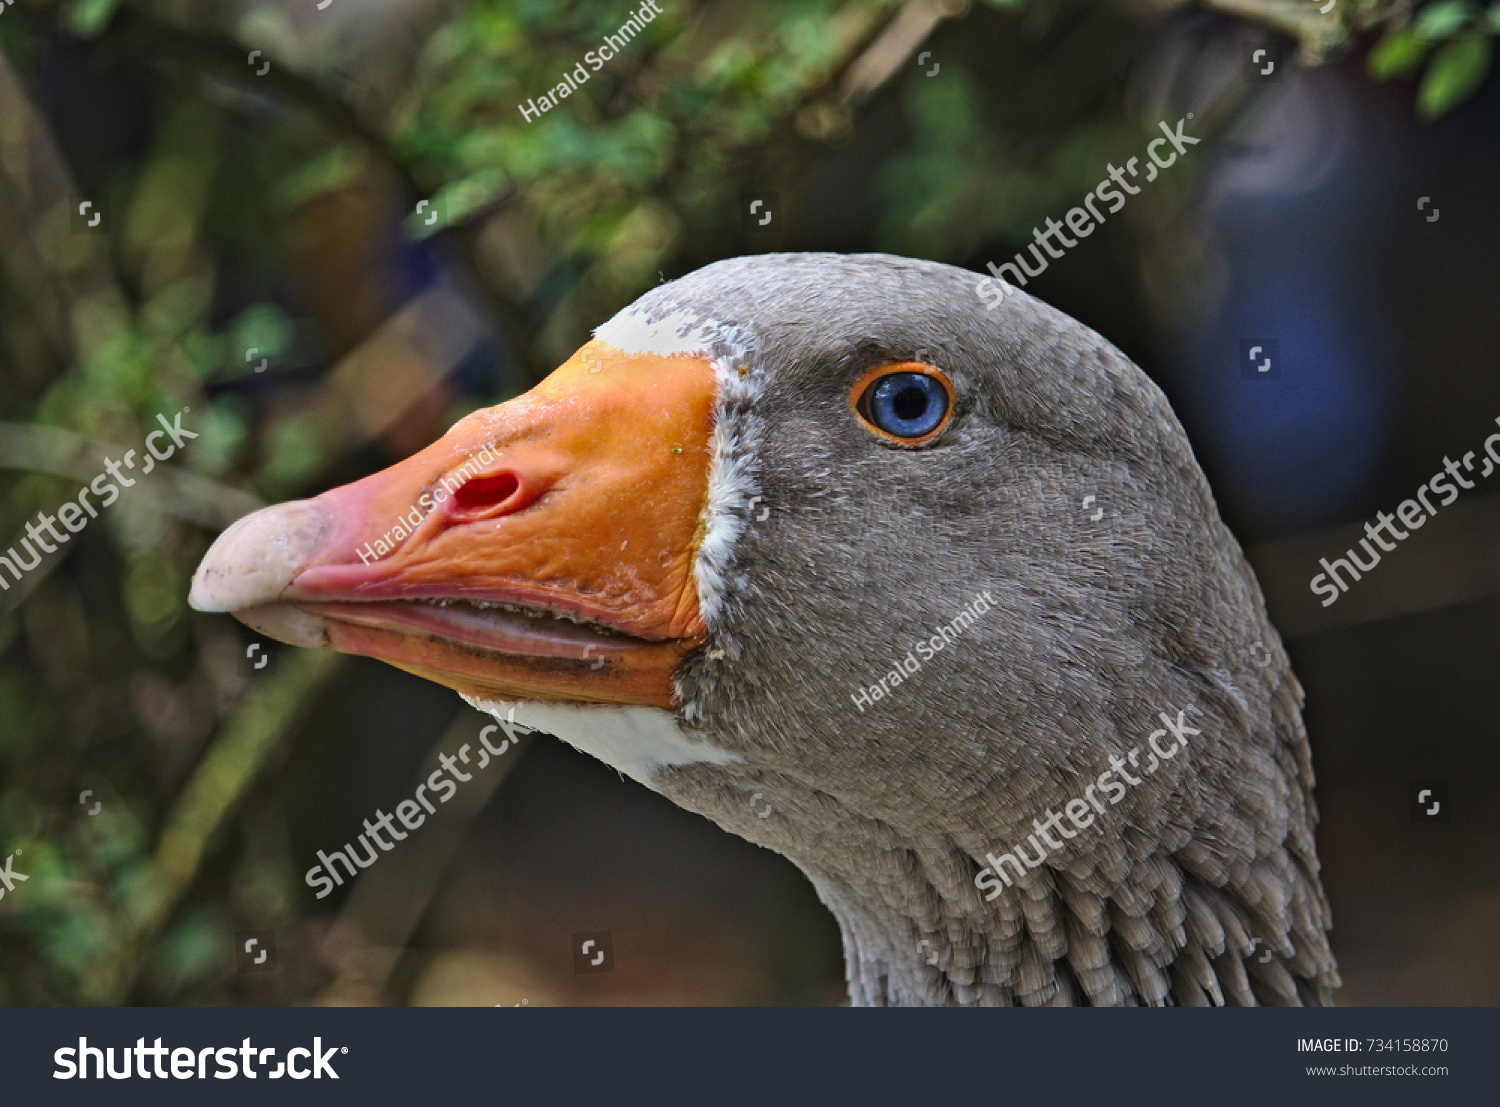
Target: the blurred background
pixel 324 231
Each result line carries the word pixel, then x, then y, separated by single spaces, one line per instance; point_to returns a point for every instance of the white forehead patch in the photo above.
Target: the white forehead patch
pixel 639 741
pixel 635 331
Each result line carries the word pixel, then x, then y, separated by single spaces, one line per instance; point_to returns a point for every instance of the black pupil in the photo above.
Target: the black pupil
pixel 910 402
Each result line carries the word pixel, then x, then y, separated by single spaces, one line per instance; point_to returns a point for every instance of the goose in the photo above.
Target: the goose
pixel 919 587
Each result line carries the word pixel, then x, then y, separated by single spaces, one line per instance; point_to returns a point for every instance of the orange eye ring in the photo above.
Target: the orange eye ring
pixel 860 399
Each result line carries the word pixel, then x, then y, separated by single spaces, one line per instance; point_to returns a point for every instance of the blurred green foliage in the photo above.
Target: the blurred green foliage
pixel 1451 42
pixel 246 224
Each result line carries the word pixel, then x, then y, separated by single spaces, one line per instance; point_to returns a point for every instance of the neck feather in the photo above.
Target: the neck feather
pixel 917 933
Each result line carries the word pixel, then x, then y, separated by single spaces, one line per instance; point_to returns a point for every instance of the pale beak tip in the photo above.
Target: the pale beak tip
pixel 257 558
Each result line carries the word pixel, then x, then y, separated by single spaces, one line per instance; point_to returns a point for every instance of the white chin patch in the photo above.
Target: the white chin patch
pixel 638 741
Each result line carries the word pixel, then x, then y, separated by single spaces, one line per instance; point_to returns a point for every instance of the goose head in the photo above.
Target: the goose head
pixel 903 582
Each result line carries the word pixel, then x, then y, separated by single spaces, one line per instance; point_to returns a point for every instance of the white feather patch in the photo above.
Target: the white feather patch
pixel 639 741
pixel 636 331
pixel 733 499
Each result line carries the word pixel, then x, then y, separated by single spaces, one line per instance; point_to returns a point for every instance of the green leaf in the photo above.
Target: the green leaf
pixel 192 949
pixel 264 328
pixel 1443 19
pixel 88 17
pixel 1398 54
pixel 1457 70
pixel 326 171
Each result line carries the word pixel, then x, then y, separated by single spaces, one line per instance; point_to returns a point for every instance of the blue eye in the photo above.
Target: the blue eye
pixel 906 405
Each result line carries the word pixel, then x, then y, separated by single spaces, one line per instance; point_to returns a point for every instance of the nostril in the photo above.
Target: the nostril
pixel 488 494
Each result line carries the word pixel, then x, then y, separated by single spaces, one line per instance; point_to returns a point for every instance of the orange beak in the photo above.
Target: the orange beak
pixel 540 550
